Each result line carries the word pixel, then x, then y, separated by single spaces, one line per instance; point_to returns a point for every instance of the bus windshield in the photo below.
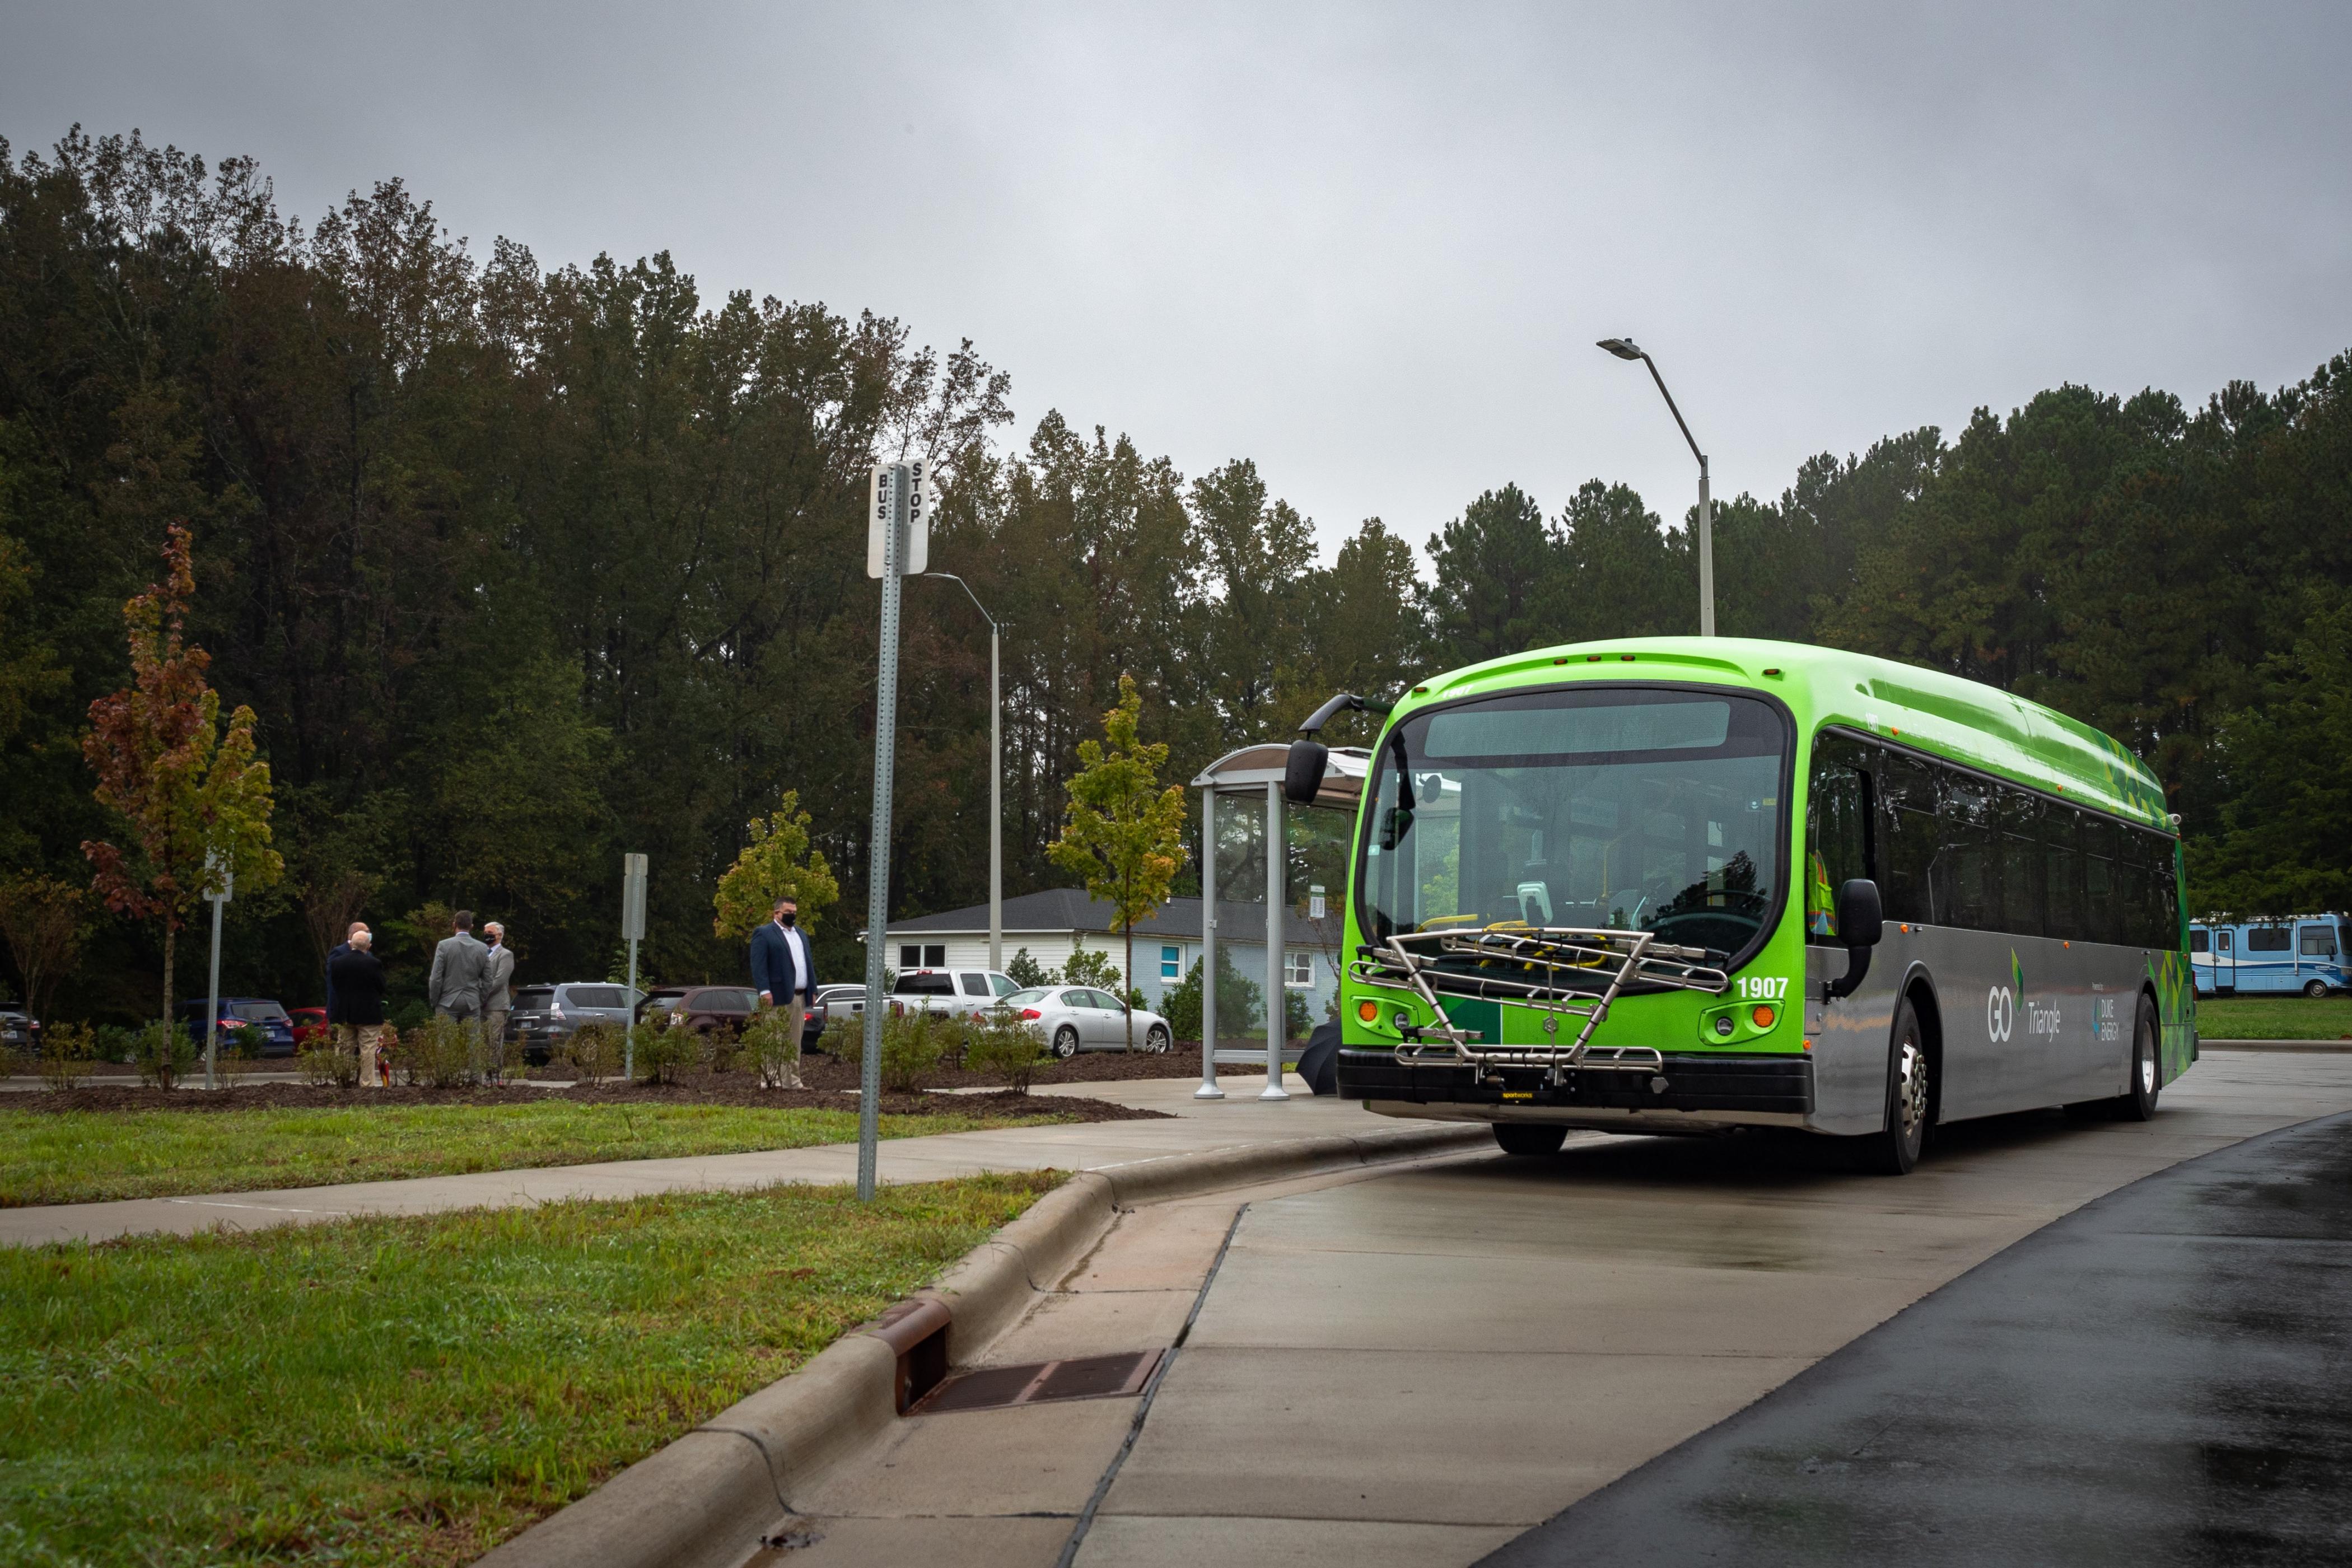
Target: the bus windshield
pixel 1622 808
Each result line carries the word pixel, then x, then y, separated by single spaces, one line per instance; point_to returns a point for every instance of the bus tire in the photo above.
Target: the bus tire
pixel 1529 1139
pixel 2316 989
pixel 1894 1149
pixel 2138 1102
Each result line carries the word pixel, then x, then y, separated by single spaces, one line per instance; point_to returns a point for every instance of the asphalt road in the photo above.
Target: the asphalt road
pixel 2160 1377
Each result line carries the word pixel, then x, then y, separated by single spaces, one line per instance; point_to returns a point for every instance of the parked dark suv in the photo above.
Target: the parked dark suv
pixel 729 1006
pixel 545 1015
pixel 257 1012
pixel 18 1031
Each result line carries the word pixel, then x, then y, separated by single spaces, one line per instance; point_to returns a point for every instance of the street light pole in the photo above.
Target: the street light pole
pixel 995 776
pixel 1625 348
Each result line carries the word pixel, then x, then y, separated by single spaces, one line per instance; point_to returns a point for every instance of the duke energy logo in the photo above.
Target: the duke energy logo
pixel 2002 1002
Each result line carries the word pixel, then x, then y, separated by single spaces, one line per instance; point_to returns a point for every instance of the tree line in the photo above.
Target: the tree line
pixel 520 568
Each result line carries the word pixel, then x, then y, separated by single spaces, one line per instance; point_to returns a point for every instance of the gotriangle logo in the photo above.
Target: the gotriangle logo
pixel 2016 976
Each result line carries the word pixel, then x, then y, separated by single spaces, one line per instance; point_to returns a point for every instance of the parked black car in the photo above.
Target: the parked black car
pixel 18 1031
pixel 277 1029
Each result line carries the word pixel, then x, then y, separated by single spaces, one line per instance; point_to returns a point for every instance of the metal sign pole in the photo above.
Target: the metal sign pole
pixel 219 895
pixel 633 930
pixel 891 490
pixel 995 804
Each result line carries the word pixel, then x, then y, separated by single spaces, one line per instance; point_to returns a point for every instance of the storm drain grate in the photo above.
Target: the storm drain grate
pixel 1085 1377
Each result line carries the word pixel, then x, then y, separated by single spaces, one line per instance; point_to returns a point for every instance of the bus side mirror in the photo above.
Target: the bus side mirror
pixel 1860 919
pixel 1302 772
pixel 1860 922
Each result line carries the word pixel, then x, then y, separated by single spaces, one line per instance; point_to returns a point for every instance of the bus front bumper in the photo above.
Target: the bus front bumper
pixel 1706 1090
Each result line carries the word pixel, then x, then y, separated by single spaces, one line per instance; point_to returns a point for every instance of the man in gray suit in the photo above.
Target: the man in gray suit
pixel 460 964
pixel 497 1000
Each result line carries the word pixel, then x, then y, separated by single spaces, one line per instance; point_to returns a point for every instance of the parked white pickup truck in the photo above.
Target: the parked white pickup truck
pixel 961 992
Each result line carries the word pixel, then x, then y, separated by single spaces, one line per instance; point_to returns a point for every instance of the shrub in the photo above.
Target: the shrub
pixel 1007 1048
pixel 661 1048
pixel 236 1050
pixel 843 1037
pixel 593 1051
pixel 115 1043
pixel 1237 1001
pixel 326 1064
pixel 771 1046
pixel 442 1053
pixel 68 1054
pixel 1088 967
pixel 720 1049
pixel 411 1015
pixel 1027 972
pixel 164 1053
pixel 910 1050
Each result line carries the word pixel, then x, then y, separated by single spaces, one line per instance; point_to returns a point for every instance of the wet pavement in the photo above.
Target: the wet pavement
pixel 2163 1377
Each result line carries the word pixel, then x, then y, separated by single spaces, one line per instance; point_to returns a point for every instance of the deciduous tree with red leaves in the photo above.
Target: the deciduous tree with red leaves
pixel 190 792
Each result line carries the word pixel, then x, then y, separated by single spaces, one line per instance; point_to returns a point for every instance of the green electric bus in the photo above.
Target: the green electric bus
pixel 1691 884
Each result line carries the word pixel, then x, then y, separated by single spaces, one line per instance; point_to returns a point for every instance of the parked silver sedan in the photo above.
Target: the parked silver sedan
pixel 1075 1018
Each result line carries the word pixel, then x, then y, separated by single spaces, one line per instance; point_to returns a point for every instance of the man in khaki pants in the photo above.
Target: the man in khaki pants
pixel 355 1007
pixel 498 1001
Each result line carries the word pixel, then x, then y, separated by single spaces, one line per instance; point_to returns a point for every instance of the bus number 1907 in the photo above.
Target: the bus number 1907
pixel 1763 987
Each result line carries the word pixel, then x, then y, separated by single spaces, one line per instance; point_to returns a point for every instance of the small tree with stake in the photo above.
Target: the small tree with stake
pixel 1125 834
pixel 189 790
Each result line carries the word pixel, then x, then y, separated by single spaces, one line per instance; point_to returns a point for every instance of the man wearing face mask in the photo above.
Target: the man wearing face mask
pixel 784 965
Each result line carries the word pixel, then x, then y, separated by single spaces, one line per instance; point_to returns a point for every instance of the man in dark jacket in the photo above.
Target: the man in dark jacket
pixel 355 1002
pixel 337 951
pixel 783 967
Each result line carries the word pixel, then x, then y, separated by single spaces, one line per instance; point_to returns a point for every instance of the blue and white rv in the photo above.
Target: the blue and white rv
pixel 2299 953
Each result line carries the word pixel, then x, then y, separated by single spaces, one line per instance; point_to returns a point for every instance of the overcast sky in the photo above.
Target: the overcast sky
pixel 1369 247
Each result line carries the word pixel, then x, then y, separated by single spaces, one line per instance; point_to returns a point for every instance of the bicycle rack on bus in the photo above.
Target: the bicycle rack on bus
pixel 1562 972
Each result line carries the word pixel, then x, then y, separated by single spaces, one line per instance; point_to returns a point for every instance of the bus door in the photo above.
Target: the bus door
pixel 2225 961
pixel 2317 962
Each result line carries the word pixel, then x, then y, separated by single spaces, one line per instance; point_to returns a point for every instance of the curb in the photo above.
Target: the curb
pixel 2206 1045
pixel 703 1501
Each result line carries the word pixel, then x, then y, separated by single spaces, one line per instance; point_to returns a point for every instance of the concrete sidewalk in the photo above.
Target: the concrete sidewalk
pixel 1237 1120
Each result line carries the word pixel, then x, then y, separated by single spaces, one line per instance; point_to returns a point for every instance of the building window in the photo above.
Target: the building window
pixel 1171 964
pixel 1298 968
pixel 932 957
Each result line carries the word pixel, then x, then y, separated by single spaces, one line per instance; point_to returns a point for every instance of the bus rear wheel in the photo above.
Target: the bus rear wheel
pixel 1530 1139
pixel 1895 1148
pixel 2138 1102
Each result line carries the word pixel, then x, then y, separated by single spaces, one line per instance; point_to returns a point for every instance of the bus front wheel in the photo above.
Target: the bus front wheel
pixel 2314 989
pixel 1895 1148
pixel 1531 1139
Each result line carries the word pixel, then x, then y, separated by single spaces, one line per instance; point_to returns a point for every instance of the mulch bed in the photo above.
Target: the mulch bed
pixel 701 1089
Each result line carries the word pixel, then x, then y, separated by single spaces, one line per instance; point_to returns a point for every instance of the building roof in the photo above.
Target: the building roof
pixel 1060 910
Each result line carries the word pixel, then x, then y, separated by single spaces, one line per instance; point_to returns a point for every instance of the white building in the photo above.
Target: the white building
pixel 1058 921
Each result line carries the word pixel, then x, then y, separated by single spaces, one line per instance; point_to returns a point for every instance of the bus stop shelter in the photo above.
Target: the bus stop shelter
pixel 1245 777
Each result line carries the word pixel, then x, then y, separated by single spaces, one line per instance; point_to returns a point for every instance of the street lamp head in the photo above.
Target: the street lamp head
pixel 1623 348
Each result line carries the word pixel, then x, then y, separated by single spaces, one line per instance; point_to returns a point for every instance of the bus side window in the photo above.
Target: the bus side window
pixel 2018 815
pixel 2062 872
pixel 2102 893
pixel 1837 828
pixel 1966 879
pixel 2318 941
pixel 1908 834
pixel 2200 941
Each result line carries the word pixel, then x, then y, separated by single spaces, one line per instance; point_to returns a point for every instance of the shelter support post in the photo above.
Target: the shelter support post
pixel 1276 997
pixel 1209 1089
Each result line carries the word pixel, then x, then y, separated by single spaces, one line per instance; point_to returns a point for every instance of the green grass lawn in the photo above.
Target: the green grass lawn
pixel 2275 1018
pixel 416 1390
pixel 82 1156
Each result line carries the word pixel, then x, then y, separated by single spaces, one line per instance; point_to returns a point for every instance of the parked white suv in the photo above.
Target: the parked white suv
pixel 961 992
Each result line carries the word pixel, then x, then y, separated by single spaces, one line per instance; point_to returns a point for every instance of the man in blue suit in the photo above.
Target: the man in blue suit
pixel 784 965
